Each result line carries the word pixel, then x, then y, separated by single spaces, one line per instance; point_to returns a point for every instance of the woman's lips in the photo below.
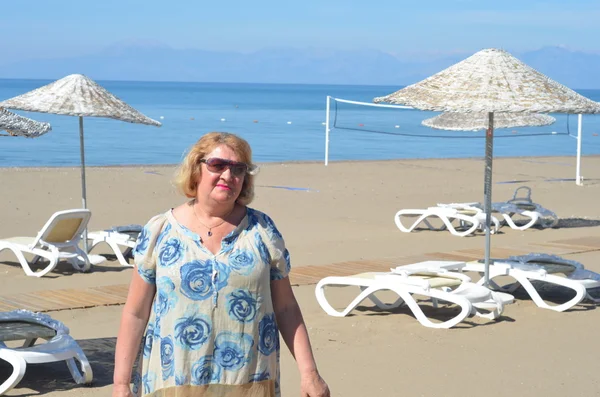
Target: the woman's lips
pixel 224 187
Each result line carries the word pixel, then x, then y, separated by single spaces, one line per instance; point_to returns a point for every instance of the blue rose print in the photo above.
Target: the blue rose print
pixel 157 329
pixel 288 262
pixel 242 305
pixel 197 278
pixel 204 371
pixel 242 261
pixel 181 380
pixel 166 298
pixel 149 275
pixel 136 379
pixel 265 255
pixel 227 243
pixel 192 332
pixel 167 352
pixel 276 274
pixel 163 234
pixel 272 229
pixel 149 340
pixel 260 376
pixel 252 219
pixel 148 382
pixel 268 335
pixel 232 350
pixel 170 252
pixel 222 274
pixel 141 245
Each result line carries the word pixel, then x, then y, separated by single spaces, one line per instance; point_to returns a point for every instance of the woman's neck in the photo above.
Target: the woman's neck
pixel 212 210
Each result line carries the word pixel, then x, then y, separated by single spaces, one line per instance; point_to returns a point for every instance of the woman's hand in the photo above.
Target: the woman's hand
pixel 312 385
pixel 122 391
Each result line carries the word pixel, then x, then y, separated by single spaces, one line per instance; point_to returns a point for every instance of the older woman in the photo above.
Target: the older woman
pixel 211 292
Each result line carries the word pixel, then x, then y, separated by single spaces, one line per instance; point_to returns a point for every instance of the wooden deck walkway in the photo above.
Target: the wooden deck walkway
pixel 79 298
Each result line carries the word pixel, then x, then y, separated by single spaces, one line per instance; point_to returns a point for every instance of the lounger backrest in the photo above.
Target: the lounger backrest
pixel 523 202
pixel 64 227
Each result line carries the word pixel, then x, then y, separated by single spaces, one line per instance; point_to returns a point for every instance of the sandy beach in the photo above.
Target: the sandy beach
pixel 343 212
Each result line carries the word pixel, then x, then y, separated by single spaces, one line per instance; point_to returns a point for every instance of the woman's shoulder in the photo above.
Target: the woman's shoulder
pixel 257 216
pixel 157 222
pixel 261 220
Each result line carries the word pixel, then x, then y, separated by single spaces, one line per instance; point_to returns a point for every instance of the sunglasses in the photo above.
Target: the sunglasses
pixel 218 166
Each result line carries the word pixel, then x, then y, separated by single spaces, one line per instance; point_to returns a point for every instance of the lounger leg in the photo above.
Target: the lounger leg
pixel 384 306
pixel 511 223
pixel 495 306
pixel 19 366
pixel 128 253
pixel 366 292
pixel 53 261
pixel 119 254
pixel 81 257
pixel 550 221
pixel 29 342
pixel 591 298
pixel 524 280
pixel 47 269
pixel 87 376
pixel 463 303
pixel 421 219
pixel 405 296
pixel 580 291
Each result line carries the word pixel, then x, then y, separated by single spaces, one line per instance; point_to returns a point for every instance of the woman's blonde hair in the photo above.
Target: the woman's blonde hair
pixel 189 171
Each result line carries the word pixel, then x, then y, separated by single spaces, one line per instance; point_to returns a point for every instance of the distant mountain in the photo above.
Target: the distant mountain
pixel 150 61
pixel 574 69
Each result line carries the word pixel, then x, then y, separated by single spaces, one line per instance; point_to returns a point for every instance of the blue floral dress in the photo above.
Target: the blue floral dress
pixel 212 329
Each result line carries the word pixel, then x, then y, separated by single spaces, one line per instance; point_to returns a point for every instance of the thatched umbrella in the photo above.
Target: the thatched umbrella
pixel 479 121
pixel 78 95
pixel 491 81
pixel 17 125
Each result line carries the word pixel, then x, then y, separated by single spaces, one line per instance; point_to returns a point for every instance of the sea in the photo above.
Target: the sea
pixel 282 122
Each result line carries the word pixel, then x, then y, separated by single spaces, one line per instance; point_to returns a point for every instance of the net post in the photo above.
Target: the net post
pixel 327 107
pixel 578 178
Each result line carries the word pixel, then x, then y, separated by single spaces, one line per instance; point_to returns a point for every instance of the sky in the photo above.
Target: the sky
pixel 419 29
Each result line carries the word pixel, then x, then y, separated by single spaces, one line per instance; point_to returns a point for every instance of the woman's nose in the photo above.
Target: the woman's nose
pixel 227 175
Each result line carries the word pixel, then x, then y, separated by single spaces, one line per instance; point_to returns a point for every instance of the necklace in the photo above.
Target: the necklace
pixel 224 218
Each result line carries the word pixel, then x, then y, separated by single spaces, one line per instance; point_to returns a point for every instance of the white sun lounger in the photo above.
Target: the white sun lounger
pixel 521 206
pixel 117 238
pixel 544 268
pixel 58 239
pixel 470 219
pixel 432 279
pixel 60 347
pixel 524 206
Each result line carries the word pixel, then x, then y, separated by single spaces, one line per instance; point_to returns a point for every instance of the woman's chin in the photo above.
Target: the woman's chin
pixel 224 196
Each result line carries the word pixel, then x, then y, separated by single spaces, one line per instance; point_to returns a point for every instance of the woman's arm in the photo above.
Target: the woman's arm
pixel 133 323
pixel 293 330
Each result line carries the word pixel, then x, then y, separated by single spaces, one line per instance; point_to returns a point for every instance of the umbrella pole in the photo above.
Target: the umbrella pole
pixel 83 193
pixel 487 190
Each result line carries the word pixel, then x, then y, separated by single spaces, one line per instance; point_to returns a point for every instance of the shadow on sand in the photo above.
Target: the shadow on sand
pixel 40 379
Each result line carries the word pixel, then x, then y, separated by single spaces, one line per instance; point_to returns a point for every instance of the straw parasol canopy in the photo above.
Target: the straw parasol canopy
pixel 17 125
pixel 491 81
pixel 78 95
pixel 479 121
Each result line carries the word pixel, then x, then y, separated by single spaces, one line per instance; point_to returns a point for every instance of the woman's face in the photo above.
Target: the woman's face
pixel 221 184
